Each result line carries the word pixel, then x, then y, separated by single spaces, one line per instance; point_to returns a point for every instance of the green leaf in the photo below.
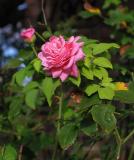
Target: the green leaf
pixel 91 89
pixel 85 14
pixel 104 116
pixel 108 3
pixel 87 62
pixel 10 153
pixel 67 135
pixel 48 87
pixel 104 72
pixel 76 81
pixel 46 34
pixel 107 80
pixel 108 84
pixel 90 130
pixel 129 53
pixel 1 157
pixel 31 98
pixel 20 75
pixel 100 48
pixel 88 73
pixel 30 85
pixel 124 97
pixel 102 62
pixel 56 84
pixel 106 93
pixel 87 41
pixel 87 50
pixel 68 114
pixel 87 102
pixel 97 73
pixel 25 54
pixel 13 63
pixel 37 64
pixel 14 108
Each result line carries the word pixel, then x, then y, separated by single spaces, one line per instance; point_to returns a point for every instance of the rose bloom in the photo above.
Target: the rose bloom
pixel 28 34
pixel 59 57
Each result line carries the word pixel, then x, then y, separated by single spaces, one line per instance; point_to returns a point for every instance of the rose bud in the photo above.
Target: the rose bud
pixel 28 35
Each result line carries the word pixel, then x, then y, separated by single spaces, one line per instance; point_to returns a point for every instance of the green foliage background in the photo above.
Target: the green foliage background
pixel 94 115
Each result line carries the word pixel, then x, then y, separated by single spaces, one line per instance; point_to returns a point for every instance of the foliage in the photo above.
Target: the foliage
pixel 43 117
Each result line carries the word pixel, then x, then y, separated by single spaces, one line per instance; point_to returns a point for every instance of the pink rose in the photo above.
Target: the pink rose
pixel 28 34
pixel 59 57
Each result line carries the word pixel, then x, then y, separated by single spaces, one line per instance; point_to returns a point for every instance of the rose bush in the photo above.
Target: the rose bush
pixel 63 98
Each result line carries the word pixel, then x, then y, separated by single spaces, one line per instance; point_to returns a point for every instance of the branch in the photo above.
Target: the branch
pixel 129 136
pixel 44 15
pixel 20 152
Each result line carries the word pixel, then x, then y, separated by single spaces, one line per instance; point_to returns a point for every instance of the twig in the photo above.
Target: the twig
pixel 129 136
pixel 89 151
pixel 44 15
pixel 60 110
pixel 34 50
pixel 20 152
pixel 119 143
pixel 59 123
pixel 40 36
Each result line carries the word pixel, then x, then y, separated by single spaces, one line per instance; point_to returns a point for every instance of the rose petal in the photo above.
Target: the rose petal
pixel 79 56
pixel 56 73
pixel 74 71
pixel 81 44
pixel 71 39
pixel 41 57
pixel 75 48
pixel 70 63
pixel 63 76
pixel 76 38
pixel 52 38
pixel 62 40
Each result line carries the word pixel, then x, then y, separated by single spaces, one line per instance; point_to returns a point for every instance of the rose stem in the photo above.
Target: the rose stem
pixel 119 143
pixel 129 136
pixel 34 50
pixel 44 17
pixel 59 122
pixel 40 36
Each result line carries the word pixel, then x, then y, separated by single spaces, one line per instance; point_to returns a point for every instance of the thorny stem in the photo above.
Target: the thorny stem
pixel 3 150
pixel 132 74
pixel 119 143
pixel 34 50
pixel 129 136
pixel 130 157
pixel 59 123
pixel 40 36
pixel 44 16
pixel 20 152
pixel 8 132
pixel 60 110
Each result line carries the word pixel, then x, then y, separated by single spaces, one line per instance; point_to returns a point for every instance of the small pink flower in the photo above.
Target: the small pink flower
pixel 59 57
pixel 28 34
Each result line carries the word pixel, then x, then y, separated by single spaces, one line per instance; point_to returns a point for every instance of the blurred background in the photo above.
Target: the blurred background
pixel 15 15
